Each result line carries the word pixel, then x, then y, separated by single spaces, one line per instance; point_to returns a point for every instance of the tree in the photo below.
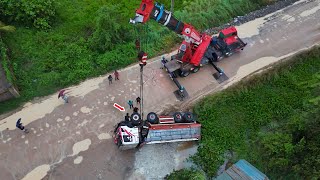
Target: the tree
pixel 111 29
pixel 37 13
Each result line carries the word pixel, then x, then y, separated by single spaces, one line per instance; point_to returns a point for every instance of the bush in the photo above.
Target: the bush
pixel 110 29
pixel 186 174
pixel 271 120
pixel 37 13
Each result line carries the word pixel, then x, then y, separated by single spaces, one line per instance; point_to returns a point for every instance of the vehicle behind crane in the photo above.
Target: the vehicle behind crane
pixel 196 50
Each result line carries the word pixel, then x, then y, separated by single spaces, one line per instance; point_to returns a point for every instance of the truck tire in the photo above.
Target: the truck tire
pixel 178 117
pixel 188 117
pixel 152 118
pixel 196 69
pixel 135 119
pixel 185 73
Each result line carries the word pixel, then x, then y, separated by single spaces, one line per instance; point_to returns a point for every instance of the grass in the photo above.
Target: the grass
pixel 45 61
pixel 267 120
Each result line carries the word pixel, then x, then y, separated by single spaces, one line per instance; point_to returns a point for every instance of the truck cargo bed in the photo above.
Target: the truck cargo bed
pixel 161 133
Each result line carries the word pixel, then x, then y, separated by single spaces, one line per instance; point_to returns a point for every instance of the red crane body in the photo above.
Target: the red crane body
pixel 197 48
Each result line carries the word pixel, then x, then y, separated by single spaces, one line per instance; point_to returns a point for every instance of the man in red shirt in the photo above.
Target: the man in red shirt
pixel 116 75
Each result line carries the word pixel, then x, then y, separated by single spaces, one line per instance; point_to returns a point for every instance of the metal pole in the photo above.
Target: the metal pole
pixel 141 90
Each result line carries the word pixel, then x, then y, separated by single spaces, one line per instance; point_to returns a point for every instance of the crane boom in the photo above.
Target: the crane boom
pixel 148 9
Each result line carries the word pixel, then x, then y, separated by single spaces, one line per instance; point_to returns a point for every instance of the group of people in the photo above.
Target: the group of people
pixel 116 77
pixel 63 94
pixel 130 103
pixel 65 97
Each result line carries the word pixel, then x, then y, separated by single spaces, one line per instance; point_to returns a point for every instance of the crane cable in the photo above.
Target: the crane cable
pixel 146 30
pixel 171 8
pixel 139 48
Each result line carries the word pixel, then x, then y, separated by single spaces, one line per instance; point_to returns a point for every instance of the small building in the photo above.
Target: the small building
pixel 242 170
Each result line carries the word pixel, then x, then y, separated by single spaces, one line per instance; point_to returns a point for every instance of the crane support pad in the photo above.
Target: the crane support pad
pixel 220 77
pixel 181 96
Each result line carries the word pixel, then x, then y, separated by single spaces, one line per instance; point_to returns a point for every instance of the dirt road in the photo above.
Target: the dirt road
pixel 73 141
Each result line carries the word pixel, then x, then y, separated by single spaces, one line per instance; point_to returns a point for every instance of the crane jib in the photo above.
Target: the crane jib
pixel 166 18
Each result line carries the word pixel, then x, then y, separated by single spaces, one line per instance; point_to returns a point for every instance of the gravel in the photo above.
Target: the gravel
pixel 157 160
pixel 253 15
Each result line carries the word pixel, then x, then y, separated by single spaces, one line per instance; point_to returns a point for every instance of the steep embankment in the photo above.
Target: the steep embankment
pixel 270 120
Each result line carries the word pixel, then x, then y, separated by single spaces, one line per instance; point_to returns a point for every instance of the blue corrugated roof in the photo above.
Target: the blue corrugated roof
pixel 242 170
pixel 250 170
pixel 224 176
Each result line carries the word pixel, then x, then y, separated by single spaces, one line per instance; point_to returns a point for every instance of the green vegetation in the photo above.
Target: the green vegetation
pixel 5 62
pixel 272 120
pixel 186 174
pixel 37 13
pixel 58 43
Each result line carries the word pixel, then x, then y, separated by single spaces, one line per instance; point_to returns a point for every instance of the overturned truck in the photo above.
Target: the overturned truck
pixel 134 132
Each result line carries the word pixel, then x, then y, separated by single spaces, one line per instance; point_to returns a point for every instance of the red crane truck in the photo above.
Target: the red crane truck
pixel 134 132
pixel 196 50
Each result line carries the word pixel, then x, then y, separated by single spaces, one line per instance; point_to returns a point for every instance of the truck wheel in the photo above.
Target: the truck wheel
pixel 135 119
pixel 152 118
pixel 185 73
pixel 196 69
pixel 188 117
pixel 177 117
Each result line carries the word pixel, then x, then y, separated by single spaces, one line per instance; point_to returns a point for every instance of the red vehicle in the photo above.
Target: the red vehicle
pixel 196 50
pixel 178 127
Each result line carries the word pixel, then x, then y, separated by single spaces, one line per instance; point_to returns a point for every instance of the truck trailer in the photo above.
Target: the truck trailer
pixel 134 132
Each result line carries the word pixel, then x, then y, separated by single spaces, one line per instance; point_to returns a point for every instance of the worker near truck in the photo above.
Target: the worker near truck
pixel 130 103
pixel 138 100
pixel 127 117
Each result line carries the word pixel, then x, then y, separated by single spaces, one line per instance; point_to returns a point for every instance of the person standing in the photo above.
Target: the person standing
pixel 127 117
pixel 110 79
pixel 135 110
pixel 116 75
pixel 138 100
pixel 130 103
pixel 63 95
pixel 20 126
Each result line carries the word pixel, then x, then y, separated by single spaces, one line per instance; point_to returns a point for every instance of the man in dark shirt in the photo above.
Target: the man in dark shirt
pixel 138 100
pixel 127 117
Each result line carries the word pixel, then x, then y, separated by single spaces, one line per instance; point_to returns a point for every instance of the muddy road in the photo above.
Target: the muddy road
pixel 73 141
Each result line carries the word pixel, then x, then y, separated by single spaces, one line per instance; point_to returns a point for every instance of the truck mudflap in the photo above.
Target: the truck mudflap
pixel 161 133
